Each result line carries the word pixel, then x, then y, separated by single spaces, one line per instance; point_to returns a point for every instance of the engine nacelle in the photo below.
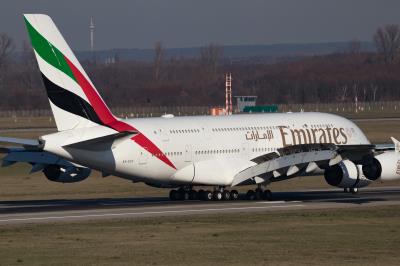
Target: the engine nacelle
pixel 346 175
pixel 60 174
pixel 385 166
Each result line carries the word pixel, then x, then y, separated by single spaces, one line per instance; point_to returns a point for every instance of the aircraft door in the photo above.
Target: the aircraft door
pixel 188 153
pixel 164 134
pixel 245 150
pixel 206 132
pixel 143 157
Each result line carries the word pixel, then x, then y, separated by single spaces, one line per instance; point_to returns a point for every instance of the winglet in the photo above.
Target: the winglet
pixel 396 144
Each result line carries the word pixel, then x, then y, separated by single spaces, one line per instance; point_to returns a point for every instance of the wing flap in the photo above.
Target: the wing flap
pixel 285 161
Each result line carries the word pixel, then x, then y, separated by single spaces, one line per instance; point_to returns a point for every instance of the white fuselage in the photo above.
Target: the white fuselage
pixel 205 149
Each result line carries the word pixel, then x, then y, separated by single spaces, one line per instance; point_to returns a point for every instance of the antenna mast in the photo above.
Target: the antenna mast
pixel 91 28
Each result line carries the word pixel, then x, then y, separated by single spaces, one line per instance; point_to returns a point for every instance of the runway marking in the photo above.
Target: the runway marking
pixel 272 202
pixel 141 213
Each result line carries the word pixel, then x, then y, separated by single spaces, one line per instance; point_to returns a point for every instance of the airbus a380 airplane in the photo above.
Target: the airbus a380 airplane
pixel 182 152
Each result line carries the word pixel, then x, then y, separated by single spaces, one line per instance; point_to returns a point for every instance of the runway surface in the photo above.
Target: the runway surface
pixel 41 211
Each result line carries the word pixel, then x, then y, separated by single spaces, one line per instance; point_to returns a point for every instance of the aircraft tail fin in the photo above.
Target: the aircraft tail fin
pixel 73 98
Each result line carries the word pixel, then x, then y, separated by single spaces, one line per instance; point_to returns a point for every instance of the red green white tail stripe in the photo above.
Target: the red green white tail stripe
pixel 74 100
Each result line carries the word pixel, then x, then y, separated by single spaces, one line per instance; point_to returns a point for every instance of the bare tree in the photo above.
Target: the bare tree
pixel 374 89
pixel 387 41
pixel 6 47
pixel 210 55
pixel 29 68
pixel 158 59
pixel 344 91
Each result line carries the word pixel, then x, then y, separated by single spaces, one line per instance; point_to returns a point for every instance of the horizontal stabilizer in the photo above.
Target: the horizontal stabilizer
pixel 99 140
pixel 23 142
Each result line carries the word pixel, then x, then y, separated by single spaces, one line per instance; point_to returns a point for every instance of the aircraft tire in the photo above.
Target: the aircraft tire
pixel 251 195
pixel 173 195
pixel 193 195
pixel 226 195
pixel 258 194
pixel 234 195
pixel 217 195
pixel 208 195
pixel 267 195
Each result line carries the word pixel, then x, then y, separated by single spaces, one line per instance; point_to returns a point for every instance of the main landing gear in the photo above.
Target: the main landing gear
pixel 218 194
pixel 190 194
pixel 259 194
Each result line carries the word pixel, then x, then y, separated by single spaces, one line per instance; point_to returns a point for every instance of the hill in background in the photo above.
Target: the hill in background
pixel 263 52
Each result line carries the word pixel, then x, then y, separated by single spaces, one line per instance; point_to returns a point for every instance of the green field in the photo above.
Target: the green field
pixel 356 236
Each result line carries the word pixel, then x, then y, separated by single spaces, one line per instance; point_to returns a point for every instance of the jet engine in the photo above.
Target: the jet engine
pixel 346 175
pixel 385 166
pixel 61 174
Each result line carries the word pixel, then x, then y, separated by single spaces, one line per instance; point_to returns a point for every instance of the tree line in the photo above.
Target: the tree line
pixel 338 77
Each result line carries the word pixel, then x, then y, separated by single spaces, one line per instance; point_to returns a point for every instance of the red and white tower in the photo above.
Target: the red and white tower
pixel 228 94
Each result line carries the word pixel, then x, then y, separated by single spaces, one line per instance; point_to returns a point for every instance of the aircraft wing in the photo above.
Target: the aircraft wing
pixel 384 147
pixel 30 151
pixel 388 146
pixel 304 158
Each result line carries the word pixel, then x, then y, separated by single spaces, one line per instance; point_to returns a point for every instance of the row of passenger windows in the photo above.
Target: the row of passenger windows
pixel 263 149
pixel 217 151
pixel 321 126
pixel 175 153
pixel 180 131
pixel 204 152
pixel 224 129
pixel 221 129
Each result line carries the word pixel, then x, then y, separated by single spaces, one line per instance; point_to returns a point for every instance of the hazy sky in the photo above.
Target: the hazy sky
pixel 186 23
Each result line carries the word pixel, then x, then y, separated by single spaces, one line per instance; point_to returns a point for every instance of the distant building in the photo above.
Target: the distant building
pixel 261 109
pixel 217 111
pixel 243 101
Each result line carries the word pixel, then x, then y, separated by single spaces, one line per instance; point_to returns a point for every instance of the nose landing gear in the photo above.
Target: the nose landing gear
pixel 353 190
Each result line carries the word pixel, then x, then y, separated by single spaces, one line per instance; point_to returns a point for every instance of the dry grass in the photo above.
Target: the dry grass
pixel 363 236
pixel 380 131
pixel 17 184
pixel 26 122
